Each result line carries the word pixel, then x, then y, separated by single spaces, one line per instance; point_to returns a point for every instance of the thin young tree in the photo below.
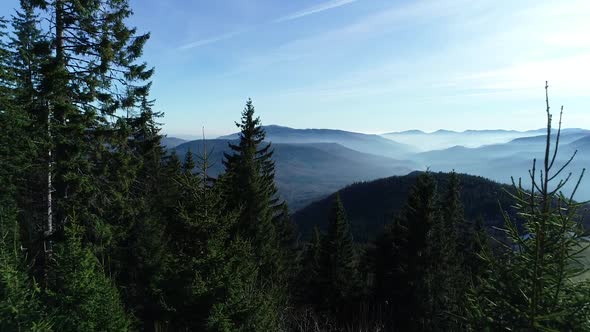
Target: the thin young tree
pixel 533 286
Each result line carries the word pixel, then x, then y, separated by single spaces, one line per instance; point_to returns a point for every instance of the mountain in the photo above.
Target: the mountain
pixel 582 144
pixel 366 143
pixel 309 171
pixel 171 142
pixel 371 205
pixel 442 139
pixel 500 162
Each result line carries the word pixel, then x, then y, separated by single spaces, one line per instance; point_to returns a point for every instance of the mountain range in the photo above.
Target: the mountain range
pixel 313 163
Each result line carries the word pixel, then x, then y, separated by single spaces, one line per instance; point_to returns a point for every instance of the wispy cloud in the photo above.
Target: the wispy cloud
pixel 207 41
pixel 308 11
pixel 314 9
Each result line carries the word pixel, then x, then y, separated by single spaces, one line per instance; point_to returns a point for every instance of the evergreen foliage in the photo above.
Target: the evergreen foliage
pixel 338 272
pixel 85 297
pixel 21 308
pixel 532 285
pixel 249 179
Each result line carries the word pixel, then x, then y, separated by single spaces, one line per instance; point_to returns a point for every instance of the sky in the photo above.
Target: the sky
pixel 370 66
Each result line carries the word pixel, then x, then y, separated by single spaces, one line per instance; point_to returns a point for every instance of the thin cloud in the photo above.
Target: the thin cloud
pixel 208 41
pixel 314 9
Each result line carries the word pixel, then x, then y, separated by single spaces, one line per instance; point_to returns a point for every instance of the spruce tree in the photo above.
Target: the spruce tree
pixel 410 247
pixel 308 285
pixel 86 299
pixel 213 283
pixel 445 274
pixel 89 85
pixel 141 258
pixel 250 188
pixel 338 263
pixel 532 286
pixel 21 308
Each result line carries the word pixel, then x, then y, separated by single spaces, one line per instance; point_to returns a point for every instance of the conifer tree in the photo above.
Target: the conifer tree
pixel 214 278
pixel 308 284
pixel 141 258
pixel 409 245
pixel 445 275
pixel 90 83
pixel 250 187
pixel 533 285
pixel 338 262
pixel 189 163
pixel 21 308
pixel 28 51
pixel 85 297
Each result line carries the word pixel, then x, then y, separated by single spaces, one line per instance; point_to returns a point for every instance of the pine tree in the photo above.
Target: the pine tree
pixel 338 263
pixel 308 285
pixel 140 258
pixel 390 267
pixel 214 277
pixel 411 251
pixel 250 187
pixel 447 286
pixel 21 308
pixel 189 163
pixel 29 51
pixel 89 85
pixel 85 297
pixel 532 285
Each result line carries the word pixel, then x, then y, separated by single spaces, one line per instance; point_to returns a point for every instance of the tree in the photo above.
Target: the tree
pixel 87 85
pixel 250 188
pixel 445 274
pixel 213 282
pixel 85 298
pixel 404 256
pixel 21 308
pixel 141 259
pixel 533 286
pixel 338 263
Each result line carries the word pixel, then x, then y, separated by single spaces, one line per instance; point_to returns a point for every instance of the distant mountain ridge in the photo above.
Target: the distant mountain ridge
pixel 443 139
pixel 312 163
pixel 367 143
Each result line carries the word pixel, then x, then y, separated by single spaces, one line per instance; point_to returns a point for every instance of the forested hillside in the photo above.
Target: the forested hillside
pixel 103 229
pixel 372 205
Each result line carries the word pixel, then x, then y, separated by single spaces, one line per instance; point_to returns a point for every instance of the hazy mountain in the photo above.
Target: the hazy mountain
pixel 308 171
pixel 500 162
pixel 442 139
pixel 366 143
pixel 582 144
pixel 171 142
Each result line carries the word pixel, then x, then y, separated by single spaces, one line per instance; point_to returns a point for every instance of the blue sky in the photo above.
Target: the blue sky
pixel 366 65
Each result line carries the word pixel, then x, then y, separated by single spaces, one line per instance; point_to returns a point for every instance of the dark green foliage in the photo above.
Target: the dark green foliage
pixel 213 283
pixel 417 262
pixel 21 308
pixel 338 272
pixel 532 285
pixel 85 298
pixel 447 277
pixel 249 179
